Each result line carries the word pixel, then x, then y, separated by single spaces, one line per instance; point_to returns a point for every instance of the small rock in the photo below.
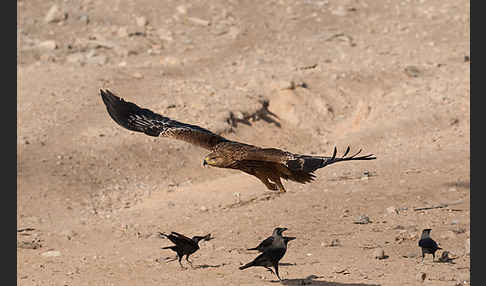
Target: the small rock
pixel 75 58
pixel 421 276
pixel 362 219
pixel 379 253
pixel 345 213
pixel 411 255
pixel 233 32
pixel 33 244
pixel 283 84
pixel 84 19
pixel 48 45
pixel 142 21
pixel 138 75
pixel 463 277
pixel 340 270
pixel 122 32
pixel 198 21
pixel 444 257
pixel 391 210
pixel 449 234
pixel 54 15
pixel 98 60
pixel 69 234
pixel 239 115
pixel 51 253
pixel 335 242
pixel 170 61
pixel 459 230
pixel 203 209
pixel 339 11
pixel 165 35
pixel 412 71
pixel 181 9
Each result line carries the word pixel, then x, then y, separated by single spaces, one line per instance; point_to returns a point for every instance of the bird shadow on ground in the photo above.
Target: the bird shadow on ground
pixel 311 280
pixel 204 266
pixel 287 264
pixel 459 184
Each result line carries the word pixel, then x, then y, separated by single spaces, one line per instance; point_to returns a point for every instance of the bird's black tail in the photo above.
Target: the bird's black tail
pixel 254 248
pixel 311 163
pixel 169 247
pixel 247 265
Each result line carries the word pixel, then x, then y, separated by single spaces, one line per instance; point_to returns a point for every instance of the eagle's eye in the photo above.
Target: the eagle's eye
pixel 209 160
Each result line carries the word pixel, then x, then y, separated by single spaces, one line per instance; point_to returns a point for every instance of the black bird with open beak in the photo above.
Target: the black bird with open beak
pixel 277 232
pixel 272 249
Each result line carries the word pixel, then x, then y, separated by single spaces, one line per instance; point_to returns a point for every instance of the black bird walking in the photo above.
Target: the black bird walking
pixel 427 244
pixel 273 249
pixel 184 245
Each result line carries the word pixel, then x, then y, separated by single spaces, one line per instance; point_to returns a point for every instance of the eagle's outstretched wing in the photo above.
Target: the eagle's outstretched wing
pixel 135 118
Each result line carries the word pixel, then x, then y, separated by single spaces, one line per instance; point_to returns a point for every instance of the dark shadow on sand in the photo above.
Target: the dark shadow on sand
pixel 204 266
pixel 313 280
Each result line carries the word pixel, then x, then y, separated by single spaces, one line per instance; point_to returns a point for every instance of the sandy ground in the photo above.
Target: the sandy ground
pixel 390 77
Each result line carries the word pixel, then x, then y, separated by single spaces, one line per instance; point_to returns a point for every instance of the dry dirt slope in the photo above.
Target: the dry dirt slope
pixel 391 77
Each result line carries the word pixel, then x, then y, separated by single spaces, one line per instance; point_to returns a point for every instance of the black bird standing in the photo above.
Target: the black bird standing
pixel 184 245
pixel 277 232
pixel 273 249
pixel 427 244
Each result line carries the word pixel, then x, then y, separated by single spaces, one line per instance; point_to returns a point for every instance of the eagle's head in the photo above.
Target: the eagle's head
pixel 215 160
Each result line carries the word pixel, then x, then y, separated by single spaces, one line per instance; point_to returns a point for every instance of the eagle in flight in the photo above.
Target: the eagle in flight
pixel 269 165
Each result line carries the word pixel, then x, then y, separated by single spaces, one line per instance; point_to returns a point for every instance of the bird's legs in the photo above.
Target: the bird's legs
pixel 187 259
pixel 180 263
pixel 277 181
pixel 276 270
pixel 271 270
pixel 264 180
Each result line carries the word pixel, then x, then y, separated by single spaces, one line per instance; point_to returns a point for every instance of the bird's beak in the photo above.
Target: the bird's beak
pixel 284 229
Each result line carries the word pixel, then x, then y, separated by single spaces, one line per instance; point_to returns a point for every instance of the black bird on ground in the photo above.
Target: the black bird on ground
pixel 273 249
pixel 184 245
pixel 427 244
pixel 277 232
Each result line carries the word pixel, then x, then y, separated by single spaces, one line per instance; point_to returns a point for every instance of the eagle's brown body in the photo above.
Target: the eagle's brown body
pixel 267 164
